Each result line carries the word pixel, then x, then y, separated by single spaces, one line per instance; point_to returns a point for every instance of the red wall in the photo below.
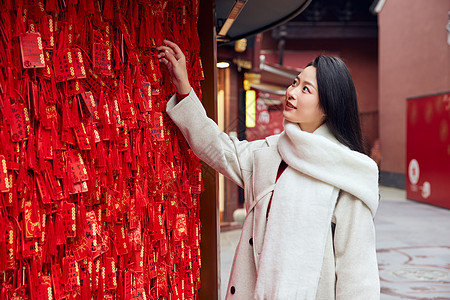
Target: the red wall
pixel 414 60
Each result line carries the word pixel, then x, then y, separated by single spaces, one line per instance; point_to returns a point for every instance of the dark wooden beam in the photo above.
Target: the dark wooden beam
pixel 209 207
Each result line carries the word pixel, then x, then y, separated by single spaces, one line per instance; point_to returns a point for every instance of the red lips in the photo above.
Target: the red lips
pixel 289 105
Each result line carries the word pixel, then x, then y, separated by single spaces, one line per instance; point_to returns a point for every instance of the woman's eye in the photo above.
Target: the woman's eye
pixel 295 82
pixel 305 89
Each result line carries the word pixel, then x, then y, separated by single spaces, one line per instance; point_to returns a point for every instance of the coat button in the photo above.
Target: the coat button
pixel 232 290
pixel 250 241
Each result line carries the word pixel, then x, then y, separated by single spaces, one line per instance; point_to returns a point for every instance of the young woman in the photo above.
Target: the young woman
pixel 310 192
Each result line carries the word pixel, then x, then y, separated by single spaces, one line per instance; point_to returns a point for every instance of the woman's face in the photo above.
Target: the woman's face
pixel 301 104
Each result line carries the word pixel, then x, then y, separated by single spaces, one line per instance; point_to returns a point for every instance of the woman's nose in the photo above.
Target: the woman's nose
pixel 289 91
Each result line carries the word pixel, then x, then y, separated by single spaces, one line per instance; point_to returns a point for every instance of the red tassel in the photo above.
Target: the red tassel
pixel 34 276
pixel 35 207
pixel 92 178
pixel 132 15
pixel 81 219
pixel 68 180
pixel 138 77
pixel 42 113
pixel 20 27
pixel 8 7
pixel 54 137
pixel 101 157
pixel 31 153
pixel 109 172
pixel 89 6
pixel 54 88
pixel 10 86
pixel 115 158
pixel 176 148
pixel 101 289
pixel 158 165
pixel 21 177
pixel 86 290
pixel 92 142
pixel 108 10
pixel 104 115
pixel 139 199
pixel 75 117
pixel 143 155
pixel 60 237
pixel 143 29
pixel 51 239
pixel 169 153
pixel 51 6
pixel 2 244
pixel 41 151
pixel 120 286
pixel 66 121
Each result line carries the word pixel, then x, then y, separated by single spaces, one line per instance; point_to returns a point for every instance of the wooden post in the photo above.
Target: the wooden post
pixel 209 206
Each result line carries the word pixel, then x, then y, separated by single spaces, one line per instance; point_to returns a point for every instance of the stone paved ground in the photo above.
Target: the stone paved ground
pixel 413 245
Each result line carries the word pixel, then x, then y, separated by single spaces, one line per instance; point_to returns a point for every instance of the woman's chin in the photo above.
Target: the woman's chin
pixel 288 118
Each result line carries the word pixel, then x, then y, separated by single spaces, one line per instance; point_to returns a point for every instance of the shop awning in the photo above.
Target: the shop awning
pixel 277 75
pixel 242 18
pixel 268 88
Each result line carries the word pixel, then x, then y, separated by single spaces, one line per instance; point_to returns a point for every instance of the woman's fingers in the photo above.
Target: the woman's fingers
pixel 167 56
pixel 164 61
pixel 171 52
pixel 170 57
pixel 174 47
pixel 163 49
pixel 171 48
pixel 174 59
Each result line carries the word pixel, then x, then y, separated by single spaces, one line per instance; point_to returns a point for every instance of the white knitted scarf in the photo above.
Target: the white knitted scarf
pixel 303 202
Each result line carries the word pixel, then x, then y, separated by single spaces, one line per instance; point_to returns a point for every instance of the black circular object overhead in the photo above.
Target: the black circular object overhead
pixel 237 19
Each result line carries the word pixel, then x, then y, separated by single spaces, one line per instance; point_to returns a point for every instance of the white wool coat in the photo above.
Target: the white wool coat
pixel 349 269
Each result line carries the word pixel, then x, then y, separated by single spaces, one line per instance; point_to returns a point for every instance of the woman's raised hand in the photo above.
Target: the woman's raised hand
pixel 172 56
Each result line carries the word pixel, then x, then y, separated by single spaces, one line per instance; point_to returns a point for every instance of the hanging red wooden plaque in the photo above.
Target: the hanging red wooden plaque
pixel 47 25
pixel 45 288
pixel 32 51
pixel 69 219
pixel 110 274
pixel 71 274
pixel 158 127
pixel 82 138
pixel 4 180
pixel 146 95
pixel 76 166
pixel 91 104
pixel 32 227
pixel 57 282
pixel 64 66
pixel 10 242
pixel 80 71
pixel 102 58
pixel 20 122
pixel 43 190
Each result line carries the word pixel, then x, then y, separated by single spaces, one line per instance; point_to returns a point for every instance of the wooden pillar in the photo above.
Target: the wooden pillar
pixel 209 206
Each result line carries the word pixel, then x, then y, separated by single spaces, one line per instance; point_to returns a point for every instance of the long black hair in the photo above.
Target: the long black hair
pixel 337 98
